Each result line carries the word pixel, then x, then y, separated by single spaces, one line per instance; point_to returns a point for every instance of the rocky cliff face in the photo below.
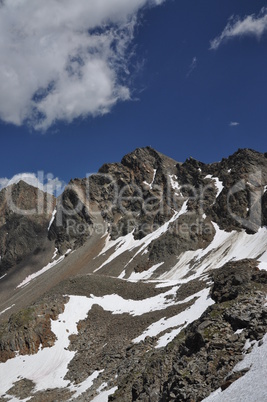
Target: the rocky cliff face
pixel 143 192
pixel 25 212
pixel 30 329
pixel 131 195
pixel 156 288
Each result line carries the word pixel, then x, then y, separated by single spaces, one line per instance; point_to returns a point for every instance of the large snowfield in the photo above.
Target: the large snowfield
pixel 49 366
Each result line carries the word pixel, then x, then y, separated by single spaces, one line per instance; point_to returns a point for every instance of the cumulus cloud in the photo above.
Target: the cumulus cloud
pixel 48 183
pixel 251 25
pixel 234 123
pixel 63 59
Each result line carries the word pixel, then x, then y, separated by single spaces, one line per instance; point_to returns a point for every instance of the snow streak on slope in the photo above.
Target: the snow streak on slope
pixel 181 320
pixel 226 246
pixel 252 386
pixel 151 184
pixel 218 183
pixel 8 308
pixel 103 396
pixel 85 385
pixel 117 305
pixel 138 276
pixel 52 219
pixel 29 278
pixel 263 264
pixel 128 243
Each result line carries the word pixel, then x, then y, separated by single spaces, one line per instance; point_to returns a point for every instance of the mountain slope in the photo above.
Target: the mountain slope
pixel 144 265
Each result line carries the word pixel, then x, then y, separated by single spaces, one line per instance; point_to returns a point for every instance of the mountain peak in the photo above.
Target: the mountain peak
pixel 147 156
pixel 248 155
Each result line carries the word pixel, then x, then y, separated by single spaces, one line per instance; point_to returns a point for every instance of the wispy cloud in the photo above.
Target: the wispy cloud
pixel 64 59
pixel 192 66
pixel 251 25
pixel 234 124
pixel 48 183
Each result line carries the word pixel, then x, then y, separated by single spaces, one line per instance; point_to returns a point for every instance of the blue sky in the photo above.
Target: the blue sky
pixel 177 75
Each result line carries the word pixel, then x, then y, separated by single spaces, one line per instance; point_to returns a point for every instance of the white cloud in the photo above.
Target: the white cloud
pixel 48 183
pixel 234 123
pixel 63 59
pixel 251 25
pixel 192 66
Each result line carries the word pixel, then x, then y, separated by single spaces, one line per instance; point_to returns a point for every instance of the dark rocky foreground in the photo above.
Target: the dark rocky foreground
pixel 199 360
pixel 195 363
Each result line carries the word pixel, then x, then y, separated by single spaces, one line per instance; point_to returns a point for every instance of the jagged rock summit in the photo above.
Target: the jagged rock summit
pixel 144 282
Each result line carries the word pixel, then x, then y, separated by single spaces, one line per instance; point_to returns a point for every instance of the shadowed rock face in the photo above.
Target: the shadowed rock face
pixel 25 212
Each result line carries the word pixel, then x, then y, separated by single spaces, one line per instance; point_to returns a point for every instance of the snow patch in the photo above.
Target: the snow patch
pixel 122 275
pixel 2 312
pixel 252 386
pixel 85 385
pixel 174 182
pixel 117 305
pixel 225 246
pixel 218 183
pixel 102 386
pixel 239 331
pixel 151 184
pixel 52 219
pixel 248 344
pixel 48 367
pixel 128 243
pixel 263 265
pixel 137 276
pixel 55 254
pixel 181 320
pixel 29 278
pixel 103 396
